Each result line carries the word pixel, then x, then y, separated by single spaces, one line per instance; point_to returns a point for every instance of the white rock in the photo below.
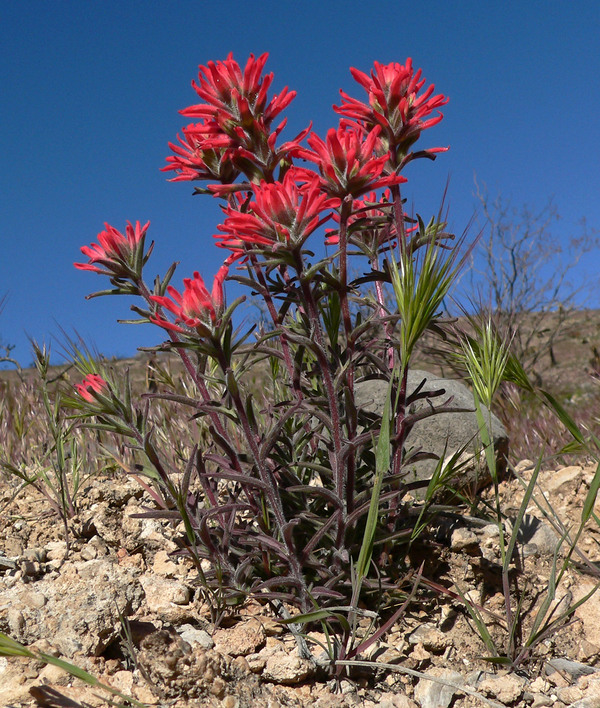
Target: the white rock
pixel 431 694
pixel 286 668
pixel 507 688
pixel 194 636
pixel 562 480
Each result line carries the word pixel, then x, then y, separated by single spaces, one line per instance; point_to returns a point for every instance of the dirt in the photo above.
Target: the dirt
pixel 119 603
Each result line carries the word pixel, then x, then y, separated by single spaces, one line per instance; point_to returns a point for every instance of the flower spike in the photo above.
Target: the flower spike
pixel 394 105
pixel 348 161
pixel 92 383
pixel 115 252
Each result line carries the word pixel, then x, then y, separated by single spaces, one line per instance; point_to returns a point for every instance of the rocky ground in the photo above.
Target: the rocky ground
pixel 119 605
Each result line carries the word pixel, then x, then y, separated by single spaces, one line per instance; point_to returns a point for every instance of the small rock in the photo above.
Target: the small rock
pixel 256 662
pixel 34 600
pixel 31 568
pixel 39 554
pixel 81 608
pixel 88 552
pixel 575 669
pixel 163 593
pixel 430 637
pixel 242 639
pixel 463 540
pixel 587 651
pixel 391 655
pixel 163 565
pixel 537 536
pixel 419 653
pixel 122 681
pixel 194 636
pixel 54 676
pixel 539 685
pixel 490 531
pixel 94 548
pixel 569 694
pixel 56 550
pixel 563 480
pixel 431 694
pixel 507 688
pixel 288 669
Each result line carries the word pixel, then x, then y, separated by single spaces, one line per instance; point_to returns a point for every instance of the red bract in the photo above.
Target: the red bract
pixel 347 161
pixel 284 212
pixel 394 104
pixel 114 252
pixel 196 308
pixel 194 160
pixel 235 132
pixel 92 382
pixel 236 96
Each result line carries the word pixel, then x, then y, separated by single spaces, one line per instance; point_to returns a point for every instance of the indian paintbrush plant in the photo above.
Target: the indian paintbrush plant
pixel 295 496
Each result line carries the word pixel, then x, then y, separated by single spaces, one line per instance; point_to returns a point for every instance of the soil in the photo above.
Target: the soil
pixel 115 600
pixel 119 604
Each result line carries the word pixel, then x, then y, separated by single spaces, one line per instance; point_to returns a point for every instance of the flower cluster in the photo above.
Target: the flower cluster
pixel 348 162
pixel 234 134
pixel 394 105
pixel 196 308
pixel 93 383
pixel 285 212
pixel 117 254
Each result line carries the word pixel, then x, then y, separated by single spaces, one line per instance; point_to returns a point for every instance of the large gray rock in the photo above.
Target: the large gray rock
pixel 442 434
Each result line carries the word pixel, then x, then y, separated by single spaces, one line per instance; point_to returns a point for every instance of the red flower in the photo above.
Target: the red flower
pixel 284 212
pixel 394 104
pixel 236 96
pixel 92 382
pixel 347 161
pixel 235 132
pixel 194 160
pixel 114 252
pixel 196 308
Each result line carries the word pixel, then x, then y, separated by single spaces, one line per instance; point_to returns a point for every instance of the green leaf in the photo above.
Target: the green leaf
pixel 317 616
pixel 382 465
pixel 590 499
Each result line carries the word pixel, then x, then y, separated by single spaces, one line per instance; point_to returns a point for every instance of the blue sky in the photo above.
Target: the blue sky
pixel 90 95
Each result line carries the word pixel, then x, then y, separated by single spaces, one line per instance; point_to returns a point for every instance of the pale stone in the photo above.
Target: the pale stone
pixel 432 694
pixel 287 669
pixel 507 688
pixel 163 565
pixel 562 480
pixel 243 639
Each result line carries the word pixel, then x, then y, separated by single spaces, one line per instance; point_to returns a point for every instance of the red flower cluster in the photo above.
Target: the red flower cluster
pixel 92 382
pixel 193 160
pixel 196 307
pixel 234 134
pixel 232 97
pixel 115 252
pixel 394 105
pixel 284 212
pixel 348 161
